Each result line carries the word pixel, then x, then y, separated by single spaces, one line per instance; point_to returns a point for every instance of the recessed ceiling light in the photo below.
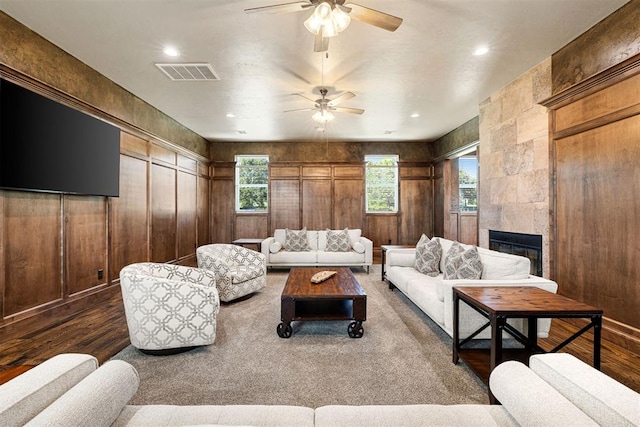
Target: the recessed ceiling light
pixel 230 115
pixel 171 51
pixel 482 50
pixel 415 115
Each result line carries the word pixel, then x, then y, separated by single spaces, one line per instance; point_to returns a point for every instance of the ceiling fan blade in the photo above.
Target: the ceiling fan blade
pixel 300 109
pixel 321 44
pixel 302 96
pixel 348 110
pixel 344 97
pixel 374 17
pixel 296 6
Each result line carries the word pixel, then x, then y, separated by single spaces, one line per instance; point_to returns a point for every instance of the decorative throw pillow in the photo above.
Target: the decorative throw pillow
pixel 359 247
pixel 461 264
pixel 275 247
pixel 428 255
pixel 296 240
pixel 470 266
pixel 423 239
pixel 338 241
pixel 452 261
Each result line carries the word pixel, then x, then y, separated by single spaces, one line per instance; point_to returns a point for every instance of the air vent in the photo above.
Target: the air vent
pixel 189 72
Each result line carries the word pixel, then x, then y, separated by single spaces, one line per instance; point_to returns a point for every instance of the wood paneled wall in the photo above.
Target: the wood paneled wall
pixel 416 202
pixel 325 195
pixel 316 196
pixel 62 253
pixel 596 238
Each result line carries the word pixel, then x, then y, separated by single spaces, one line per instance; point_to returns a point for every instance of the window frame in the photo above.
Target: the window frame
pixel 239 186
pixel 461 186
pixel 395 185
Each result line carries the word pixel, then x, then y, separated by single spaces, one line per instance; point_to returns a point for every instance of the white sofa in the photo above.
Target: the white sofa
pixel 71 390
pixel 318 256
pixel 434 295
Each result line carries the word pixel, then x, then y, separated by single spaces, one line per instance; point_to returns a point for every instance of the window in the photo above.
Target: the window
pixel 252 183
pixel 381 183
pixel 468 183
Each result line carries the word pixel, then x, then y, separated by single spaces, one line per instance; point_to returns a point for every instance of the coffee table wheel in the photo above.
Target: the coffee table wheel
pixel 355 330
pixel 284 331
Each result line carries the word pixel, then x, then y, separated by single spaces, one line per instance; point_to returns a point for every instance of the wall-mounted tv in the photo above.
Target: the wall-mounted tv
pixel 50 147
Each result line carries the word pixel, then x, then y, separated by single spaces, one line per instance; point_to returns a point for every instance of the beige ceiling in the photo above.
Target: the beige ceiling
pixel 425 67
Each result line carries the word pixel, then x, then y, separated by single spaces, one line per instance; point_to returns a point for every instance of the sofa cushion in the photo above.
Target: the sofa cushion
pixel 302 258
pixel 359 247
pixel 242 273
pixel 338 241
pixel 498 265
pixel 97 400
pixel 296 240
pixel 462 264
pixel 531 400
pixel 279 235
pixel 428 255
pixel 601 397
pixel 340 258
pixel 412 415
pixel 424 293
pixel 200 415
pixel 26 395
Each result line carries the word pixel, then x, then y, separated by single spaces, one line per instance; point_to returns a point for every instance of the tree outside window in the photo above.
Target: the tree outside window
pixel 381 176
pixel 468 183
pixel 252 183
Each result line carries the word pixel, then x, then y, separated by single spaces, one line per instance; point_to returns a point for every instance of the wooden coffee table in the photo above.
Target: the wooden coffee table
pixel 338 298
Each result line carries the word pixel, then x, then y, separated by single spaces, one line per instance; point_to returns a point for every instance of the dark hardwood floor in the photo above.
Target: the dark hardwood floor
pixel 102 332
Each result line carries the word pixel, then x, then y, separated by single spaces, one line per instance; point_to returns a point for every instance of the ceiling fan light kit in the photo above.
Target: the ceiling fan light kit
pixel 323 116
pixel 328 20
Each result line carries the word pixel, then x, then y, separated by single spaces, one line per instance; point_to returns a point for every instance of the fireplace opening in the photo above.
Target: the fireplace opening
pixel 526 245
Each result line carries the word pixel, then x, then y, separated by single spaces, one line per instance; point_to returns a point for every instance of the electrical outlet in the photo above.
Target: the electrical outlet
pixel 100 274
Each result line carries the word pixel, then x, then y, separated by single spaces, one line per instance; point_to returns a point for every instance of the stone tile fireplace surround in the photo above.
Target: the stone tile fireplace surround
pixel 514 160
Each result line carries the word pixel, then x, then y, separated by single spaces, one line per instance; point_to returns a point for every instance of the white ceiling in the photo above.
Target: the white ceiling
pixel 424 67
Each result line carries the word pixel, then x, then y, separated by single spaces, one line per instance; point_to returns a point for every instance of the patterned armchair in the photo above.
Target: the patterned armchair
pixel 239 271
pixel 169 308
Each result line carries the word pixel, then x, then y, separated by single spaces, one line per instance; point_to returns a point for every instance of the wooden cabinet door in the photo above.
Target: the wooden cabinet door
pixel 316 204
pixel 163 213
pixel 348 210
pixel 284 204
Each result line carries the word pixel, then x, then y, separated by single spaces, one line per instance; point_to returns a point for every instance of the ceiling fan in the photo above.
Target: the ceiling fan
pixel 324 106
pixel 330 17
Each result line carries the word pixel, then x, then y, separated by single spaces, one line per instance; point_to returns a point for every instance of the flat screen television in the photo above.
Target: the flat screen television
pixel 49 147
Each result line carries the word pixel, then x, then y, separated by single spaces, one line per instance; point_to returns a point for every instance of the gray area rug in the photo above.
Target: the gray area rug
pixel 403 358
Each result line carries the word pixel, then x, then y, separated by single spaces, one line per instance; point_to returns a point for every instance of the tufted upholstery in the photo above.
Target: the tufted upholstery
pixel 169 306
pixel 239 271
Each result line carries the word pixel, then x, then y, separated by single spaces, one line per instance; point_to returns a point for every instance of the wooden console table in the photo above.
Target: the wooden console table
pixel 249 241
pixel 500 303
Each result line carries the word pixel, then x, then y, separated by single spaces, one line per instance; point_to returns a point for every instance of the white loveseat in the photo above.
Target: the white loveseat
pixel 71 390
pixel 359 255
pixel 434 295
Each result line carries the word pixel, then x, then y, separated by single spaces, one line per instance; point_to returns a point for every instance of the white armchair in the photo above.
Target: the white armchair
pixel 238 271
pixel 169 308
